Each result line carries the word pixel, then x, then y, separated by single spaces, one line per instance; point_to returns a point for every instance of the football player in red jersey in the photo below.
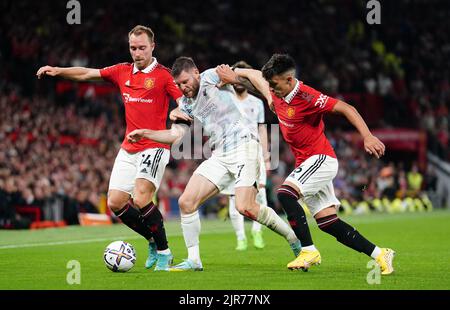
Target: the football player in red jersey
pixel 300 110
pixel 146 88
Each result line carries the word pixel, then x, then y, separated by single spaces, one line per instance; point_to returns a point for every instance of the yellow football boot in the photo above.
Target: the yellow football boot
pixel 384 260
pixel 305 260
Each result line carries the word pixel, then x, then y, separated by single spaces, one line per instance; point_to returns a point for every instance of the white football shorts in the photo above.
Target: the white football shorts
pixel 314 177
pixel 238 167
pixel 262 175
pixel 148 164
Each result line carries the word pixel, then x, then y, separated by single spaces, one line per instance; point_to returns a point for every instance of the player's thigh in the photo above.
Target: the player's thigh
pixel 123 173
pixel 313 175
pixel 244 165
pixel 216 171
pixel 150 164
pixel 197 191
pixel 143 192
pixel 323 203
pixel 229 190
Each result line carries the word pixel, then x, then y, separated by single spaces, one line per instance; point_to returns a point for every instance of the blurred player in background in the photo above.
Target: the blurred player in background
pixel 300 110
pixel 253 108
pixel 146 88
pixel 234 160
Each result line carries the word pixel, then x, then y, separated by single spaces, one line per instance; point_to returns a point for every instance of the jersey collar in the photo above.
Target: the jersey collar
pixel 149 68
pixel 294 92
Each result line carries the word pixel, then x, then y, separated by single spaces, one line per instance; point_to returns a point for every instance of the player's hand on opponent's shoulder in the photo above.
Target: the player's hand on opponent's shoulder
pixel 47 70
pixel 374 146
pixel 136 135
pixel 226 75
pixel 177 114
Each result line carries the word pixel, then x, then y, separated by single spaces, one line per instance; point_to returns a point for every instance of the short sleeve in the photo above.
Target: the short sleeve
pixel 318 102
pixel 172 88
pixel 324 103
pixel 111 73
pixel 210 77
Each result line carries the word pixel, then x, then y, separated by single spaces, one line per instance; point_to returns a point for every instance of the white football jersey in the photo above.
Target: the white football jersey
pixel 223 120
pixel 253 108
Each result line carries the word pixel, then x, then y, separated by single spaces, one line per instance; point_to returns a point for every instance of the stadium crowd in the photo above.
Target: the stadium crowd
pixel 57 158
pixel 56 151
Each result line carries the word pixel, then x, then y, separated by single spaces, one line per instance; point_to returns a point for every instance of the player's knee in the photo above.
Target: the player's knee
pixel 282 197
pixel 115 204
pixel 286 201
pixel 143 192
pixel 327 212
pixel 288 197
pixel 141 201
pixel 240 208
pixel 286 192
pixel 245 206
pixel 142 197
pixel 187 204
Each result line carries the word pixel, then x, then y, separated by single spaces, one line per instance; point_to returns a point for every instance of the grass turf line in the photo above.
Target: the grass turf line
pixel 420 240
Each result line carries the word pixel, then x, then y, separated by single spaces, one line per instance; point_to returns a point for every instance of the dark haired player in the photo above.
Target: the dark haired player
pixel 300 110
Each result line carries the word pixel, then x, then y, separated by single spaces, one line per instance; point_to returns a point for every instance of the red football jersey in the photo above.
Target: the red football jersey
pixel 145 95
pixel 300 115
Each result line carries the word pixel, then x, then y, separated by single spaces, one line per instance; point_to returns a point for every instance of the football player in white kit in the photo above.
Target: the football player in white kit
pixel 234 160
pixel 254 111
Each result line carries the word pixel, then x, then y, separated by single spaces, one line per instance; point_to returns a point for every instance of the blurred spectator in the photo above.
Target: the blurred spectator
pixel 415 180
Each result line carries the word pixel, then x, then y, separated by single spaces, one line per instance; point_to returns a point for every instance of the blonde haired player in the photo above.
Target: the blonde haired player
pixel 146 87
pixel 300 109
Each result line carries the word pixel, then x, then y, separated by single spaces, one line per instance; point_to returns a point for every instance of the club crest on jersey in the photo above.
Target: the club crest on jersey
pixel 149 83
pixel 290 112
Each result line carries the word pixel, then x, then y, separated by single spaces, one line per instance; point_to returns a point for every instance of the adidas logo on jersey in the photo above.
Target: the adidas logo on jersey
pixel 144 171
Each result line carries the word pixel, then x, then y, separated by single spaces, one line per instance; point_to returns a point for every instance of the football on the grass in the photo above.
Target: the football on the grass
pixel 119 256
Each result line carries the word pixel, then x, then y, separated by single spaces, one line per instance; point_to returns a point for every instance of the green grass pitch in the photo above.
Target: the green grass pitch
pixel 38 259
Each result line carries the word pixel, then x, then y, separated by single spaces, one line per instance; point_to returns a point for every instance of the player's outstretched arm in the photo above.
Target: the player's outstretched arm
pixel 255 77
pixel 251 79
pixel 71 73
pixel 167 136
pixel 372 144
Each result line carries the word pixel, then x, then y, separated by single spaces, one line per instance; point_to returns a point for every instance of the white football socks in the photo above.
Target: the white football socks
pixel 376 252
pixel 237 219
pixel 261 199
pixel 190 223
pixel 256 227
pixel 269 218
pixel 164 252
pixel 309 248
